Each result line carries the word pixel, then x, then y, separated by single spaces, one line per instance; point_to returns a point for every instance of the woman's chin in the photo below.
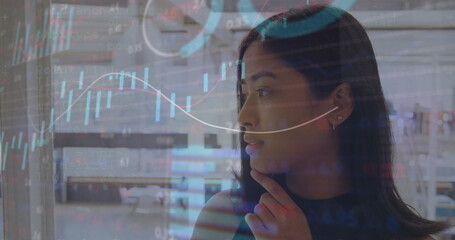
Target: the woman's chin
pixel 258 167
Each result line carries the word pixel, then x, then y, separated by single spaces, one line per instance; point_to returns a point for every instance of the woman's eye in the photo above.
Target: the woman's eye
pixel 263 92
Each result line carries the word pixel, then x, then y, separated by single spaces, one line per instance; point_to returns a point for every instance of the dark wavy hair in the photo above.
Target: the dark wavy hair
pixel 334 53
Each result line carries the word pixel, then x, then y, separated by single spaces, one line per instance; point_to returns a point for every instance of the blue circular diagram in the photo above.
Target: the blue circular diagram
pixel 297 28
pixel 198 41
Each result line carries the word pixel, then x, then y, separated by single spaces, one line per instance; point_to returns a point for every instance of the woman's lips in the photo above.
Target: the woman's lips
pixel 253 148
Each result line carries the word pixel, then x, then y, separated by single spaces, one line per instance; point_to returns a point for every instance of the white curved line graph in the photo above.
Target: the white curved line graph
pixel 181 109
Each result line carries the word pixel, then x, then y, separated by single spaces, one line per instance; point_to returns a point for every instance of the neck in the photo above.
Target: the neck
pixel 319 179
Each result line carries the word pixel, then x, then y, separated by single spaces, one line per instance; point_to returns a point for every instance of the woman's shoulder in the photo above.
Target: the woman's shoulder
pixel 217 219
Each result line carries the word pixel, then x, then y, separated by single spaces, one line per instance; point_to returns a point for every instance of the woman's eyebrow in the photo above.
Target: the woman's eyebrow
pixel 259 75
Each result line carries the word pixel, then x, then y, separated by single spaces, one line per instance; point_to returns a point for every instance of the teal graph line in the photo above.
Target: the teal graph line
pixel 70 104
pixel 81 79
pixel 87 107
pixel 158 106
pixel 13 142
pixel 172 113
pixel 70 28
pixel 19 142
pixel 51 120
pixel 5 155
pixel 122 76
pixel 146 77
pixel 206 82
pixel 62 90
pixel 41 134
pixel 57 26
pixel 33 141
pixel 188 103
pixel 133 80
pixel 223 71
pixel 109 96
pixel 19 52
pixel 18 29
pixel 98 102
pixel 24 156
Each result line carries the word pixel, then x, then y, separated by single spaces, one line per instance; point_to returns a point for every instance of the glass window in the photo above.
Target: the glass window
pixel 119 118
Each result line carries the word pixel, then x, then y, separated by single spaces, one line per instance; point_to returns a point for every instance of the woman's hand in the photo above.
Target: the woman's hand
pixel 276 216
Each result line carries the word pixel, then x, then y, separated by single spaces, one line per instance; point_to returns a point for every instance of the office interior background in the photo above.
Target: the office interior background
pixel 92 146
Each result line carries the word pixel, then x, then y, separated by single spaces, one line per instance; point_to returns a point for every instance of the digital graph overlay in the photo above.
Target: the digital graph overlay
pixel 61 39
pixel 55 36
pixel 38 137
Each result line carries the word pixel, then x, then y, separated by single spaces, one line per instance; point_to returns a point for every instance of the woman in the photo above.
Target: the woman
pixel 331 178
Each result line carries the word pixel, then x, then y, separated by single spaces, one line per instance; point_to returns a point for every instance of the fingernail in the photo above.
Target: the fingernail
pixel 247 218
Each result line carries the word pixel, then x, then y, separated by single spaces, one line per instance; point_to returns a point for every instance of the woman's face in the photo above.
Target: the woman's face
pixel 279 97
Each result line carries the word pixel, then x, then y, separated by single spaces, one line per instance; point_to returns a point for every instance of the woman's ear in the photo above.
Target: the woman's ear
pixel 342 98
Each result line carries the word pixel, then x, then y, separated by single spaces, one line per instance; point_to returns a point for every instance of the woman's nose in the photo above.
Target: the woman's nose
pixel 248 116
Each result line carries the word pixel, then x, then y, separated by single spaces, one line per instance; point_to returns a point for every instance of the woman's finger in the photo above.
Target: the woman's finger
pixel 266 217
pixel 271 203
pixel 278 211
pixel 274 189
pixel 256 225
